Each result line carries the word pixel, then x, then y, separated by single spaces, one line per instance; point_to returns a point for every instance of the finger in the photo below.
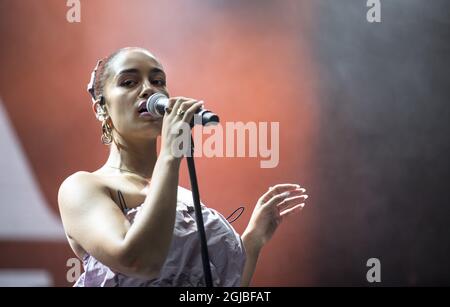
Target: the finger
pixel 290 211
pixel 185 105
pixel 191 111
pixel 291 201
pixel 283 197
pixel 303 190
pixel 276 199
pixel 174 101
pixel 278 189
pixel 178 103
pixel 296 192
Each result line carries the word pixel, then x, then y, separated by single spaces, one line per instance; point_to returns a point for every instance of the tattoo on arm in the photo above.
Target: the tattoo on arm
pixel 122 203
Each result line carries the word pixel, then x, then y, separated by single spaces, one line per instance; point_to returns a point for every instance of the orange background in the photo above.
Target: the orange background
pixel 246 56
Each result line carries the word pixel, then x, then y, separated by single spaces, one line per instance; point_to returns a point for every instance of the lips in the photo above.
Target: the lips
pixel 143 112
pixel 142 107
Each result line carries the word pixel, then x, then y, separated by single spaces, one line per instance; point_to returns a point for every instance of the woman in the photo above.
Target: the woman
pixel 129 221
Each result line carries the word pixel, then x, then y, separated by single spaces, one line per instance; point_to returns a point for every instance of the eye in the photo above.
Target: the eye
pixel 128 83
pixel 159 82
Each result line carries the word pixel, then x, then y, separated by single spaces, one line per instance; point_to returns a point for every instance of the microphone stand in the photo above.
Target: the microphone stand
pixel 199 217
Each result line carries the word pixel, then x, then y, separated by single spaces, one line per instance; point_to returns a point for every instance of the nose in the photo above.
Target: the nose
pixel 147 90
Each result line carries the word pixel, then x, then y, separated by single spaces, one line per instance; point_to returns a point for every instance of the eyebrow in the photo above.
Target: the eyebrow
pixel 134 70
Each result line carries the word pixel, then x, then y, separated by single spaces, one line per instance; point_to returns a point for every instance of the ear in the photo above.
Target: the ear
pixel 94 108
pixel 98 107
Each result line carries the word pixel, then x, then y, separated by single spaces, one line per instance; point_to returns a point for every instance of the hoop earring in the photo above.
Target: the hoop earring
pixel 107 137
pixel 101 113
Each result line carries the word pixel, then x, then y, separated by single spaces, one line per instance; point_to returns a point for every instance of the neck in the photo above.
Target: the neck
pixel 137 157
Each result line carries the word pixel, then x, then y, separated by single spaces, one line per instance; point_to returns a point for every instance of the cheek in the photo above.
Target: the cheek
pixel 120 99
pixel 121 115
pixel 121 105
pixel 118 94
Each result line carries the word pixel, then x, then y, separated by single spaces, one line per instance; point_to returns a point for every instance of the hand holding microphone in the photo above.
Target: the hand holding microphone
pixel 158 103
pixel 178 119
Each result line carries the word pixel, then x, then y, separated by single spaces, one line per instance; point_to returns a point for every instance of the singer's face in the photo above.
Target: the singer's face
pixel 133 76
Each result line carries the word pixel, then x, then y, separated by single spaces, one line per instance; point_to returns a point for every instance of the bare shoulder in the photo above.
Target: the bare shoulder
pixel 80 180
pixel 78 187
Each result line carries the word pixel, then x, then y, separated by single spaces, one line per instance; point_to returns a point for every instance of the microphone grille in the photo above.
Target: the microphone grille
pixel 152 102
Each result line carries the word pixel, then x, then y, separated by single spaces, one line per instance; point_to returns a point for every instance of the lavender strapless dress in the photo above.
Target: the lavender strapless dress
pixel 183 265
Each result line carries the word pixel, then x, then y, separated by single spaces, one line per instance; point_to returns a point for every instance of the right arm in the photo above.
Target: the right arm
pixel 95 222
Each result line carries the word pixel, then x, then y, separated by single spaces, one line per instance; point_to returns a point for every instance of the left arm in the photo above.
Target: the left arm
pixel 270 210
pixel 252 250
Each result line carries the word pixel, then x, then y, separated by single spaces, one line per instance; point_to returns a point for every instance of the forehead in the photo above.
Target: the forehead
pixel 134 59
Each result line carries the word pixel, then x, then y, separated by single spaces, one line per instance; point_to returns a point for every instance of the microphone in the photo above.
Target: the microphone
pixel 157 103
